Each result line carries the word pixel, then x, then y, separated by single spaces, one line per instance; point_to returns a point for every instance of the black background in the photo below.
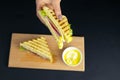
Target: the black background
pixel 98 21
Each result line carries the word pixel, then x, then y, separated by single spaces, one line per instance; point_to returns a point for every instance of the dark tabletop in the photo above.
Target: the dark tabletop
pixel 98 21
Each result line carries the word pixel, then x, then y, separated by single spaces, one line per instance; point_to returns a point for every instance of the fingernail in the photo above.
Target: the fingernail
pixel 60 17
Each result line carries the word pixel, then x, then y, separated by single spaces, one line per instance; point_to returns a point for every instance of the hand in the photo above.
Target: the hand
pixel 53 4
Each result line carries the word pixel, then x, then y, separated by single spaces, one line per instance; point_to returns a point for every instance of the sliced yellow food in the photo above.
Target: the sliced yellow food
pixel 38 46
pixel 60 29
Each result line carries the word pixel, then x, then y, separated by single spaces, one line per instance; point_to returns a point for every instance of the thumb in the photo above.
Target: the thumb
pixel 57 9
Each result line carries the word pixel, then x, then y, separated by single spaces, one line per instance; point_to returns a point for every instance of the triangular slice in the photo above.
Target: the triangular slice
pixel 60 29
pixel 38 46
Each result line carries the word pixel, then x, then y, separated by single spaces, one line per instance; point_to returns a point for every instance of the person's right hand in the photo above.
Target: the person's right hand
pixel 52 4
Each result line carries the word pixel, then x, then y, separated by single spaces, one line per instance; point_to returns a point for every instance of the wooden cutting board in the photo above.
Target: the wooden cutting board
pixel 24 59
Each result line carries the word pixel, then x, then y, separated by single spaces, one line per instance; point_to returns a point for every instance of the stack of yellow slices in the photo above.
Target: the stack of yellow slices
pixel 38 46
pixel 60 29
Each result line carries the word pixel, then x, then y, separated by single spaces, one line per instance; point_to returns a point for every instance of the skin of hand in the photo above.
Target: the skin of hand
pixel 52 4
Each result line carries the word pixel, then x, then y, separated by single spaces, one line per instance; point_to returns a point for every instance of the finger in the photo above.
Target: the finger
pixel 37 9
pixel 50 6
pixel 39 4
pixel 57 9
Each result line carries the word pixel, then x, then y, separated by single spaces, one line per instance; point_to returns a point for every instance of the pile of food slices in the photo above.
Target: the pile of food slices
pixel 60 29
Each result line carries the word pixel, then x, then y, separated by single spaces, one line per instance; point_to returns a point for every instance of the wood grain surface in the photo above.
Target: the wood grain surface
pixel 25 59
